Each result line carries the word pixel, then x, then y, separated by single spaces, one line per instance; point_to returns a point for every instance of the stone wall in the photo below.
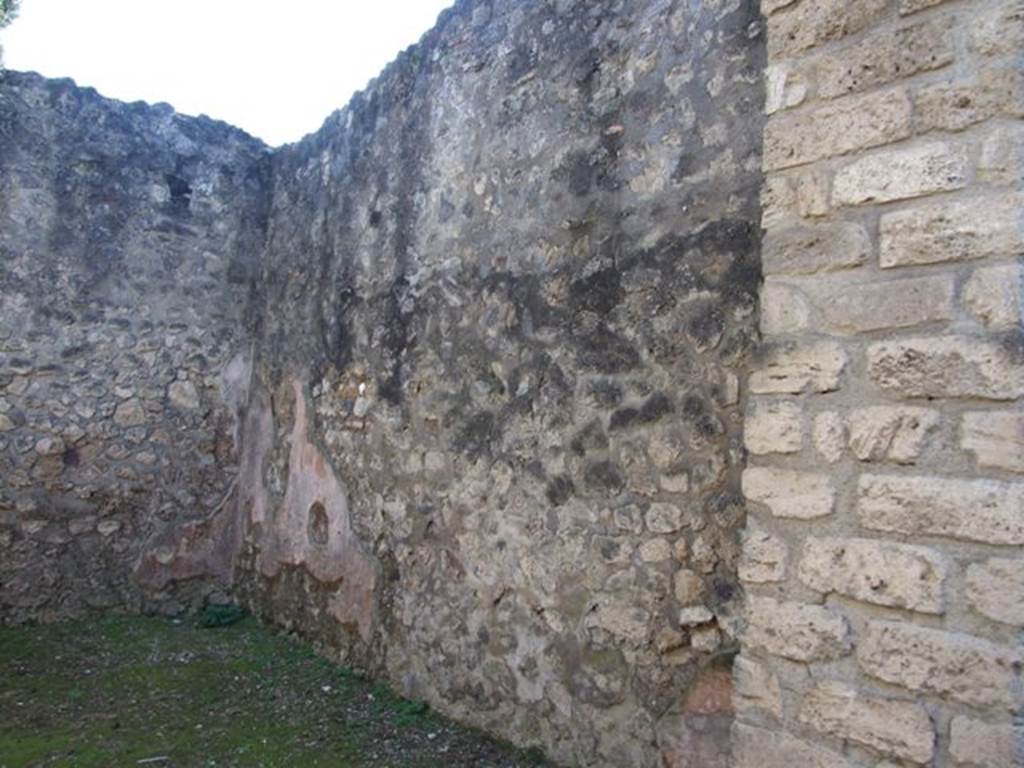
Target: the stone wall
pixel 494 448
pixel 129 237
pixel 882 562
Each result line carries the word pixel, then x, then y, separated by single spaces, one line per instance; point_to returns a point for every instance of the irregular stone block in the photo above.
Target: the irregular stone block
pixel 790 369
pixel 756 687
pixel 805 25
pixel 996 438
pixel 874 571
pixel 965 668
pixel 755 747
pixel 993 295
pixel 947 230
pixel 789 493
pixel 773 427
pixel 888 433
pixel 899 174
pixel 845 125
pixel 886 56
pixel 857 308
pixel 985 745
pixel 995 589
pixel 812 248
pixel 796 631
pixel 975 510
pixel 764 556
pixel 901 729
pixel 948 366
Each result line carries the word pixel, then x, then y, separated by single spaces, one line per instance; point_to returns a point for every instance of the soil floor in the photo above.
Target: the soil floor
pixel 158 693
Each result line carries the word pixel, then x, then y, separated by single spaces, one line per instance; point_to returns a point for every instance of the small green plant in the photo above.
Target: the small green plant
pixel 214 616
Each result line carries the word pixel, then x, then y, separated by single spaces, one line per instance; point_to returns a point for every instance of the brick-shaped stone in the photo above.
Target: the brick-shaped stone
pixel 829 436
pixel 849 308
pixel 784 310
pixel 994 296
pixel 978 744
pixel 790 369
pixel 995 589
pixel 958 105
pixel 804 25
pixel 987 511
pixel 907 7
pixel 755 747
pixel 756 687
pixel 1002 155
pixel 773 426
pixel 764 556
pixel 796 631
pixel 873 571
pixel 900 174
pixel 948 366
pixel 901 729
pixel 836 128
pixel 890 433
pixel 999 30
pixel 886 56
pixel 962 667
pixel 809 249
pixel 979 228
pixel 785 87
pixel 996 438
pixel 790 493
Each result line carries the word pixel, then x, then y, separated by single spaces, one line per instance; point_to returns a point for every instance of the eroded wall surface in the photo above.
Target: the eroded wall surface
pixel 129 238
pixel 493 450
pixel 883 561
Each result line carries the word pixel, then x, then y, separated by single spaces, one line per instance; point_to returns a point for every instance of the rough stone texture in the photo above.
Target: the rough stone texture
pixel 898 728
pixel 951 366
pixel 879 572
pixel 756 687
pixel 885 433
pixel 995 589
pixel 764 557
pixel 128 237
pixel 773 427
pixel 848 124
pixel 792 369
pixel 900 174
pixel 849 309
pixel 521 271
pixel 985 745
pixel 996 438
pixel 975 510
pixel 965 668
pixel 755 747
pixel 952 230
pixel 788 493
pixel 993 296
pixel 796 631
pixel 805 250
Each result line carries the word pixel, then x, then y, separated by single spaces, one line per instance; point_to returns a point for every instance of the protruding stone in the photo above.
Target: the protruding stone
pixel 899 174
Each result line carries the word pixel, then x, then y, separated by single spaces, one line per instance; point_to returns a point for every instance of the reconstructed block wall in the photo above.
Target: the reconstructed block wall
pixel 882 562
pixel 494 448
pixel 129 237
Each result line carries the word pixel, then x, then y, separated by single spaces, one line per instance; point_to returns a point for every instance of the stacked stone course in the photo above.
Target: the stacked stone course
pixel 885 428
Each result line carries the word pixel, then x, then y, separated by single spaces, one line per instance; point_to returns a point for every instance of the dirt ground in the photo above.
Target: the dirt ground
pixel 160 694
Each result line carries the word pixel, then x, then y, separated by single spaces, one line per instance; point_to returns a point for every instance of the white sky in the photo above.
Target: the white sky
pixel 274 68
